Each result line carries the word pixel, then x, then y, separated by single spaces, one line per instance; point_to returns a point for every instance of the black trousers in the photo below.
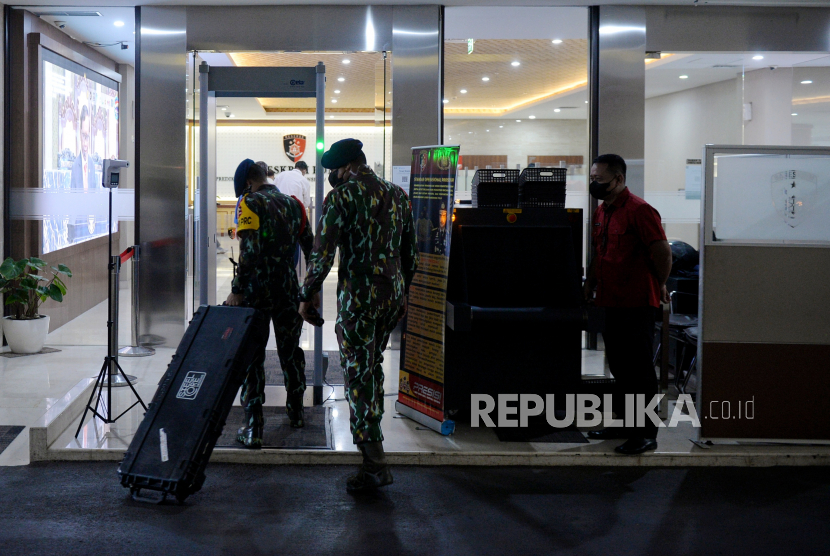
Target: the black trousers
pixel 629 339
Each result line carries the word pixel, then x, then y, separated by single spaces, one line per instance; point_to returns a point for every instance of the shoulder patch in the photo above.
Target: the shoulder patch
pixel 248 220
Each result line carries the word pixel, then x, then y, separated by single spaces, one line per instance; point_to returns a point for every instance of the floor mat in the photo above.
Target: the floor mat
pixel 316 433
pixel 273 369
pixel 7 436
pixel 12 355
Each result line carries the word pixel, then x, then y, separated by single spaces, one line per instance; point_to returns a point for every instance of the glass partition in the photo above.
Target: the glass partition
pixel 771 198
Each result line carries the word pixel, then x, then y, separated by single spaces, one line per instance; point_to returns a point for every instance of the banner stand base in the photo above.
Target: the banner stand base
pixel 441 427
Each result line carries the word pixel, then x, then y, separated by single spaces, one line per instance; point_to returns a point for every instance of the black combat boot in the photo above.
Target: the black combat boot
pixel 374 472
pixel 251 436
pixel 294 409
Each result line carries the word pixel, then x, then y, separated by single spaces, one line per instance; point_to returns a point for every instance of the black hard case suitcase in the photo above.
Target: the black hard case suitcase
pixel 192 402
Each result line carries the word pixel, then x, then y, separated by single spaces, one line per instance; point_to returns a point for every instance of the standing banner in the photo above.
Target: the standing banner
pixel 421 384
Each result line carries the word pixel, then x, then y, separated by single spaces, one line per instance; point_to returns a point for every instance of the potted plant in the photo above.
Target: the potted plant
pixel 25 289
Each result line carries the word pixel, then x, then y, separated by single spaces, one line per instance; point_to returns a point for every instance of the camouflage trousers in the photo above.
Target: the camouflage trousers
pixel 288 326
pixel 363 337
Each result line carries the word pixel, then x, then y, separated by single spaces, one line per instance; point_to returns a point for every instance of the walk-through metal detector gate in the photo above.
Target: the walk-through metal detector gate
pixel 262 82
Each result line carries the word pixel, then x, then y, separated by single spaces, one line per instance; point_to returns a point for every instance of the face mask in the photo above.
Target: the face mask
pixel 333 180
pixel 598 190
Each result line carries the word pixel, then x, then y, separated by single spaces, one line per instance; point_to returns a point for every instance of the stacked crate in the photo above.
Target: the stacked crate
pixel 496 188
pixel 542 187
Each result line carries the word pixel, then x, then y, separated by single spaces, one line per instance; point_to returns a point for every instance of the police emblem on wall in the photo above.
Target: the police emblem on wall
pixel 294 146
pixel 793 193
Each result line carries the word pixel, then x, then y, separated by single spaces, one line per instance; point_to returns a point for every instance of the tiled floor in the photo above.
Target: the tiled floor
pixel 30 385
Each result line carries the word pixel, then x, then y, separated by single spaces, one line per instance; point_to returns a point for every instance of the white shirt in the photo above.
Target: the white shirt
pixel 295 183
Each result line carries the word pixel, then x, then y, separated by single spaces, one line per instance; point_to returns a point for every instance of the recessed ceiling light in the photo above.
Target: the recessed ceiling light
pixel 532 117
pixel 224 108
pixel 514 64
pixel 337 91
pixel 463 91
pixel 119 24
pixel 341 79
pixel 557 41
pixel 501 126
pixel 758 57
pixel 485 79
pixel 794 114
pixel 519 121
pixel 334 100
pixel 557 110
pixel 806 82
pixel 347 61
pixel 445 101
pixel 469 132
pixel 586 102
pixel 684 77
pixel 488 131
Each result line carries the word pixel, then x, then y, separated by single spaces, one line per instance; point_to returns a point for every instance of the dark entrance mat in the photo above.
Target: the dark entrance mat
pixel 278 433
pixel 12 355
pixel 273 369
pixel 7 435
pixel 541 432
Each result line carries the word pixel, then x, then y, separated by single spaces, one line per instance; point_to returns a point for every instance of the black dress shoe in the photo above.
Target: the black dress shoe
pixel 607 434
pixel 634 446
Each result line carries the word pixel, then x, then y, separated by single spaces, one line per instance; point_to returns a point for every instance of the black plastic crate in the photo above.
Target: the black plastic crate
pixel 542 187
pixel 495 188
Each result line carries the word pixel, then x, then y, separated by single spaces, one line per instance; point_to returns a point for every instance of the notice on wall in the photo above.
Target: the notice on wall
pixel 421 385
pixel 693 178
pixel 400 176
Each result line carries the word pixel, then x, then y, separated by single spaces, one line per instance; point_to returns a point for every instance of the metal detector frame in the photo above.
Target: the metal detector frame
pixel 251 82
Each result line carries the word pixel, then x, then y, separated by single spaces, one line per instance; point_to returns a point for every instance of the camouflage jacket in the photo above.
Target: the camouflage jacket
pixel 270 226
pixel 370 220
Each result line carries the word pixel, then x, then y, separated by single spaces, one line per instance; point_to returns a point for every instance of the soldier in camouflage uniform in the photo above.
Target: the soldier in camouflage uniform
pixel 370 221
pixel 270 226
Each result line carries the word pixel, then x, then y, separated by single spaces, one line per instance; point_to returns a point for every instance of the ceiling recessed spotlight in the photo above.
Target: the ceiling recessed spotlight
pixel 337 91
pixel 463 91
pixel 557 110
pixel 514 64
pixel 557 41
pixel 341 79
pixel 758 57
pixel 488 131
pixel 469 132
pixel 501 126
pixel 586 102
pixel 519 121
pixel 224 108
pixel 684 77
pixel 485 79
pixel 119 24
pixel 347 61
pixel 806 82
pixel 531 117
pixel 445 101
pixel 794 114
pixel 334 100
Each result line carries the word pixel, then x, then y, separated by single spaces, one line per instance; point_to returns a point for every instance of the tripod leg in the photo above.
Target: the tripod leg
pixel 98 385
pixel 130 384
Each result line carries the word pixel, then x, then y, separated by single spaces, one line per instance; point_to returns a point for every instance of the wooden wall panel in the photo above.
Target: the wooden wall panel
pixel 87 260
pixel 788 384
pixel 472 161
pixel 553 160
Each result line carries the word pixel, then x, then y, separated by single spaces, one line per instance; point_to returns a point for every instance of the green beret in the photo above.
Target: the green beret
pixel 341 153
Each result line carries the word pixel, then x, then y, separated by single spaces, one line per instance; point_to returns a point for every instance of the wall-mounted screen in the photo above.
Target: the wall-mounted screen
pixel 80 130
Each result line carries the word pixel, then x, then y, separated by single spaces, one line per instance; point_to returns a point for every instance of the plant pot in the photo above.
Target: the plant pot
pixel 26 336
